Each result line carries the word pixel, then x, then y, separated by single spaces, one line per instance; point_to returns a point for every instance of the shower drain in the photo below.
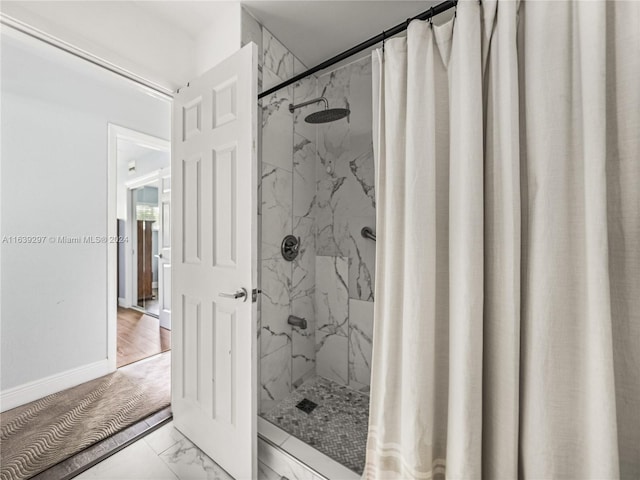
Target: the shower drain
pixel 306 405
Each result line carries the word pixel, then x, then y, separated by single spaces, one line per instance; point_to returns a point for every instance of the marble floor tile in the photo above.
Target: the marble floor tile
pixel 163 454
pixel 136 462
pixel 188 462
pixel 163 438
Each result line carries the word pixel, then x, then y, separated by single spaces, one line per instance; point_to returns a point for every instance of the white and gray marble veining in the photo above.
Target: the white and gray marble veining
pixel 275 377
pixel 275 332
pixel 163 438
pixel 360 344
pixel 345 197
pixel 277 57
pixel 303 91
pixel 163 454
pixel 332 357
pixel 277 209
pixel 276 134
pixel 303 340
pixel 318 184
pixel 277 127
pixel 332 294
pixel 304 265
pixel 298 66
pixel 304 177
pixel 362 259
pixel 332 314
pixel 303 298
pixel 339 161
pixel 331 221
pixel 188 461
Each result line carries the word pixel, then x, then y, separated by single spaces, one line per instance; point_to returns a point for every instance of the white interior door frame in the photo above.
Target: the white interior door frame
pixel 116 133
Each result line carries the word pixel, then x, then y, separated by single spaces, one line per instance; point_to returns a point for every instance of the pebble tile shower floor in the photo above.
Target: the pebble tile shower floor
pixel 337 426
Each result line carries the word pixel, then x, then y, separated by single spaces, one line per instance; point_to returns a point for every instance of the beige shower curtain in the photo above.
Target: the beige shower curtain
pixel 507 316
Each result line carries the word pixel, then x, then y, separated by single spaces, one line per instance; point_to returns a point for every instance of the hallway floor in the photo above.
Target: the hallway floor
pixel 164 454
pixel 139 336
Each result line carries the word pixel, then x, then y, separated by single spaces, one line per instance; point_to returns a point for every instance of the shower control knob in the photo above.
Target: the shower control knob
pixel 290 247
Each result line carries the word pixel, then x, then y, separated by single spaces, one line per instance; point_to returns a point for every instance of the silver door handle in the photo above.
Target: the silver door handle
pixel 158 256
pixel 242 293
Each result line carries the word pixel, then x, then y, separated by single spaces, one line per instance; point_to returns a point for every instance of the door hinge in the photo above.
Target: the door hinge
pixel 254 294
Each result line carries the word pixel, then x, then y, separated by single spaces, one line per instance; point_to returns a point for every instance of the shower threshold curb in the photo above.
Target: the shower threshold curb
pixel 312 460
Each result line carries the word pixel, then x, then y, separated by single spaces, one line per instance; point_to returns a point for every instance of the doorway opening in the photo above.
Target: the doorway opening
pixel 143 178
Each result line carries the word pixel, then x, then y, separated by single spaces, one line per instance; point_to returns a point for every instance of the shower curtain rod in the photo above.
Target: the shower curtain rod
pixel 401 27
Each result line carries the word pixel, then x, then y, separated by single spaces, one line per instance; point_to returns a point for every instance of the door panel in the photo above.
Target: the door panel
pixel 214 168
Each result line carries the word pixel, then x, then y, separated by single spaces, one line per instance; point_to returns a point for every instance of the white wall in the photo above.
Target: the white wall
pixel 55 112
pixel 221 38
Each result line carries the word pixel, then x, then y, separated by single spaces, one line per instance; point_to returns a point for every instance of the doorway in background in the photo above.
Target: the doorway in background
pixel 143 322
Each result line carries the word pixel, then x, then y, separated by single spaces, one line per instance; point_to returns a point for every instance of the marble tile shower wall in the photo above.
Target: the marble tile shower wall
pixel 317 183
pixel 288 149
pixel 345 203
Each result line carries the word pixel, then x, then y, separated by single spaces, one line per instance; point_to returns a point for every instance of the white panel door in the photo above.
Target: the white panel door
pixel 164 248
pixel 214 259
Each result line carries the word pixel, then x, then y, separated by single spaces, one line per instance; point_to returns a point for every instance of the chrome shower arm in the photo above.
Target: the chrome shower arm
pixel 309 102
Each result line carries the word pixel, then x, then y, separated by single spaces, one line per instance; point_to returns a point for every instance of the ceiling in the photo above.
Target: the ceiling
pixel 316 30
pixel 191 16
pixel 129 150
pixel 313 30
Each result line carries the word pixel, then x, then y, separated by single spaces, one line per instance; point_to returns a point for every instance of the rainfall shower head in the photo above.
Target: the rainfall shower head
pixel 323 116
pixel 327 115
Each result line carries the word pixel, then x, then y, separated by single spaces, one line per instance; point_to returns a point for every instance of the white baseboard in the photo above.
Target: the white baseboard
pixel 28 392
pixel 122 302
